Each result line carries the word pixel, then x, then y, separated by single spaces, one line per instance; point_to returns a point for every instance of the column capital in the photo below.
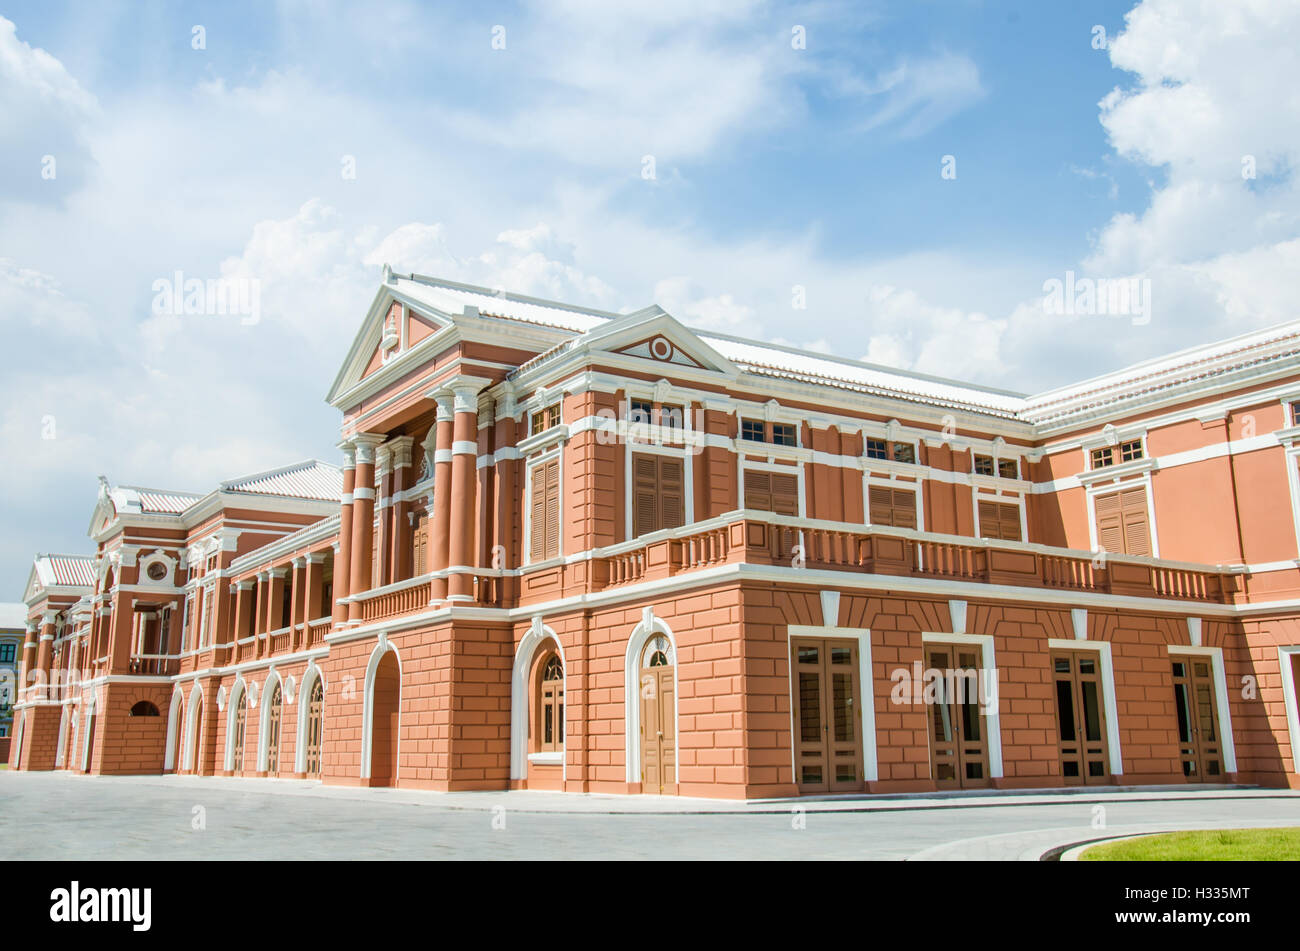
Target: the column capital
pixel 349 454
pixel 366 444
pixel 400 447
pixel 466 389
pixel 506 402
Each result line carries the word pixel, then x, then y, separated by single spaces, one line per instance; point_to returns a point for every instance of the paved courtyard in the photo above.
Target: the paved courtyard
pixel 61 816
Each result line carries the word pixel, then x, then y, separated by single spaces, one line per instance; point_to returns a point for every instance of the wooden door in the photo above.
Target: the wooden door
pixel 1199 744
pixel 315 717
pixel 1080 718
pixel 273 733
pixel 241 718
pixel 658 718
pixel 959 756
pixel 828 715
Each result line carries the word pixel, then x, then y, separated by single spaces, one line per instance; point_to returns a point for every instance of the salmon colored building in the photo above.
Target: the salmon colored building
pixel 575 550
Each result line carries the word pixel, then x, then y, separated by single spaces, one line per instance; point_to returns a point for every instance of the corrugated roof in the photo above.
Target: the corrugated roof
pixel 852 374
pixel 69 569
pixel 170 503
pixel 312 479
pixel 452 298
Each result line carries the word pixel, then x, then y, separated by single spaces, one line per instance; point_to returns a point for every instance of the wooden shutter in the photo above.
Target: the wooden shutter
pixel 552 503
pixel 758 490
pixel 1137 535
pixel 999 520
pixel 645 494
pixel 658 493
pixel 1122 526
pixel 772 492
pixel 894 508
pixel 420 544
pixel 1110 524
pixel 672 507
pixel 537 513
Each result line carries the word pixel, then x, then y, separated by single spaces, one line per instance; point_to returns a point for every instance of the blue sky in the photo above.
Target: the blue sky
pixel 523 168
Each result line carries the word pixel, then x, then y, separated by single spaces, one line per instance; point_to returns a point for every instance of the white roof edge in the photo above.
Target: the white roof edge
pixel 1203 351
pixel 228 484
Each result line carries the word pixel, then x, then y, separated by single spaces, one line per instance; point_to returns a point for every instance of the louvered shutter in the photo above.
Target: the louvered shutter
pixel 1137 536
pixel 552 504
pixel 1110 524
pixel 645 494
pixel 785 494
pixel 758 490
pixel 895 508
pixel 537 514
pixel 419 543
pixel 672 509
pixel 999 520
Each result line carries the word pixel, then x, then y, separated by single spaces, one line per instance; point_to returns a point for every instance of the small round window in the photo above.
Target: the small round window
pixel 156 571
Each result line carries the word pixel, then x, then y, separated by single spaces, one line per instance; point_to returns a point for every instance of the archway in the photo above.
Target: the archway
pixel 193 727
pixel 382 716
pixel 311 722
pixel 236 727
pixel 650 706
pixel 523 691
pixel 171 757
pixel 88 749
pixel 272 716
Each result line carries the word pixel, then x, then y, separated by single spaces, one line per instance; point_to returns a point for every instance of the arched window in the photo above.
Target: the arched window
pixel 658 652
pixel 144 709
pixel 550 714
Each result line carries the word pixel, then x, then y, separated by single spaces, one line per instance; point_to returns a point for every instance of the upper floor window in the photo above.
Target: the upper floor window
pixel 551 708
pixel 1110 455
pixel 1295 413
pixel 544 419
pixel 779 434
pixel 544 511
pixel 668 414
pixel 1006 468
pixel 895 451
pixel 7 653
pixel 658 493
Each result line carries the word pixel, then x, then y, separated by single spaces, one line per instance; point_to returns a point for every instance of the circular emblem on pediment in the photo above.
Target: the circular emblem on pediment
pixel 661 348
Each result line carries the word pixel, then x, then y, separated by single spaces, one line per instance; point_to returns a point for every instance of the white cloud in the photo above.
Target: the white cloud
pixel 45 115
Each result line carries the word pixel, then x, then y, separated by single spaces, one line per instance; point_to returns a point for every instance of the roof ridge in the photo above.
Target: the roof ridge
pixel 506 295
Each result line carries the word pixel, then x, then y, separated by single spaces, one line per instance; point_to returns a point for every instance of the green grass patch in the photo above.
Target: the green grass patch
pixel 1216 845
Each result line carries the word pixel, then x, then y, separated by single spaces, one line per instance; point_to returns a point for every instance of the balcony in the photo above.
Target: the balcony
pixel 762 538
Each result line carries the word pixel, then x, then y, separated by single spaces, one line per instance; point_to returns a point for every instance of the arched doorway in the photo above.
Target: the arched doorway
pixel 239 731
pixel 385 702
pixel 172 756
pixel 658 688
pixel 88 751
pixel 193 729
pixel 274 710
pixel 60 752
pixel 314 727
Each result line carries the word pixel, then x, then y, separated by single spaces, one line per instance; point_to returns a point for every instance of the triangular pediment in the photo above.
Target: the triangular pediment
pixel 394 324
pixel 657 337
